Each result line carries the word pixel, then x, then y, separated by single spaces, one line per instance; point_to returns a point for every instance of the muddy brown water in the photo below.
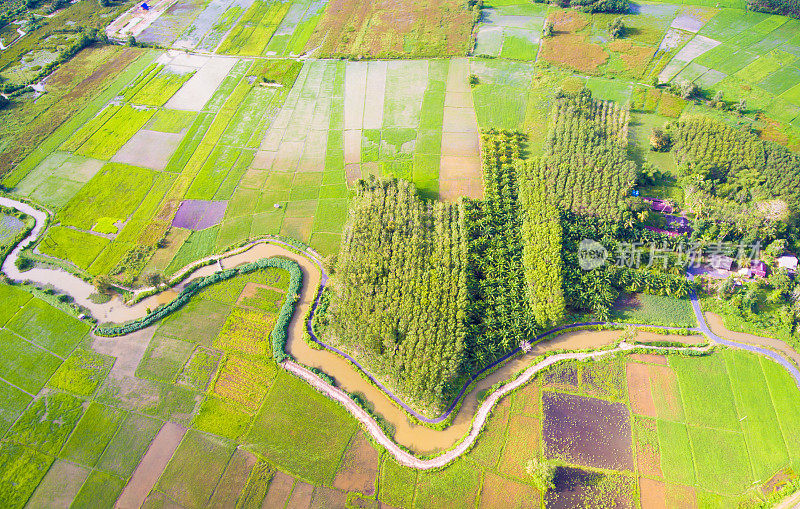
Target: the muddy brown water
pixel 717 326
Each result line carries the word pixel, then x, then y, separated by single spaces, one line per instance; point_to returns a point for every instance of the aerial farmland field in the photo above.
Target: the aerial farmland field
pixel 417 254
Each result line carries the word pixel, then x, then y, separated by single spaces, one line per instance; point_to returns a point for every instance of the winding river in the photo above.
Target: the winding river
pixel 471 416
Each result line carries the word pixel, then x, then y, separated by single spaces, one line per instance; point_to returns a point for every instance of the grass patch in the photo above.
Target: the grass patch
pixel 21 470
pixel 12 403
pixel 77 247
pixel 222 417
pixel 92 434
pixel 191 482
pixel 200 320
pixel 13 299
pixel 199 245
pixel 25 365
pixel 671 106
pixel 200 369
pixel 244 380
pixel 99 490
pixel 171 121
pixel 455 485
pixel 129 444
pixel 658 309
pixel 82 372
pixel 158 90
pixel 397 483
pixel 307 443
pixel 762 431
pixel 46 424
pixel 115 192
pixel 706 391
pixel 784 393
pixel 164 358
pixel 721 460
pixel 676 452
pixel 106 141
pixel 48 327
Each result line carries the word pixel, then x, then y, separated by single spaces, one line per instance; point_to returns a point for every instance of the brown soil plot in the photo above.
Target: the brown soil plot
pixel 500 492
pixel 654 494
pixel 587 431
pixel 639 389
pixel 279 489
pixel 301 496
pixel 359 467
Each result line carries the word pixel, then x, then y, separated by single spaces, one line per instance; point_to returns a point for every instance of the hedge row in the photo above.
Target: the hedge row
pixel 279 333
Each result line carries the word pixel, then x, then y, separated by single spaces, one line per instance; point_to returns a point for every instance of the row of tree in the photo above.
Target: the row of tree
pixel 542 240
pixel 401 289
pixel 498 316
pixel 586 163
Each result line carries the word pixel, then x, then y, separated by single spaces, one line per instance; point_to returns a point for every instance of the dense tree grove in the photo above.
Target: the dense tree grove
pixel 498 316
pixel 401 289
pixel 587 167
pixel 734 177
pixel 785 7
pixel 541 233
pixel 596 290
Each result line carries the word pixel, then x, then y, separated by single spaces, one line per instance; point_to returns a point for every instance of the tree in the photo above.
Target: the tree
pixel 660 140
pixel 542 473
pixel 132 41
pixel 103 284
pixel 154 279
pixel 616 28
pixel 741 106
pixel 547 31
pixel 688 89
pixel 4 101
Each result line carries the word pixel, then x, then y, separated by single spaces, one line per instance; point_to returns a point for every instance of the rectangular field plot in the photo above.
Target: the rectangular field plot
pixel 405 28
pixel 116 191
pixel 308 443
pixel 192 482
pixel 48 327
pixel 149 149
pixel 115 132
pixel 196 92
pixel 24 364
pixel 58 177
pixel 762 431
pixel 253 32
pixel 587 431
pixel 92 434
pixel 706 392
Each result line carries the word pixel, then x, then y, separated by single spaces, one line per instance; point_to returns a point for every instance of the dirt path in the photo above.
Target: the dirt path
pixel 152 465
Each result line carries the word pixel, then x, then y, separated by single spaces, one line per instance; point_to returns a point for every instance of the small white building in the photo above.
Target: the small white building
pixel 788 262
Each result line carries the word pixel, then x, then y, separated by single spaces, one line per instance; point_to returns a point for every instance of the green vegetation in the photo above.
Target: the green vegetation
pixel 92 434
pixel 389 337
pixel 81 373
pixel 22 470
pixel 47 423
pixel 309 445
